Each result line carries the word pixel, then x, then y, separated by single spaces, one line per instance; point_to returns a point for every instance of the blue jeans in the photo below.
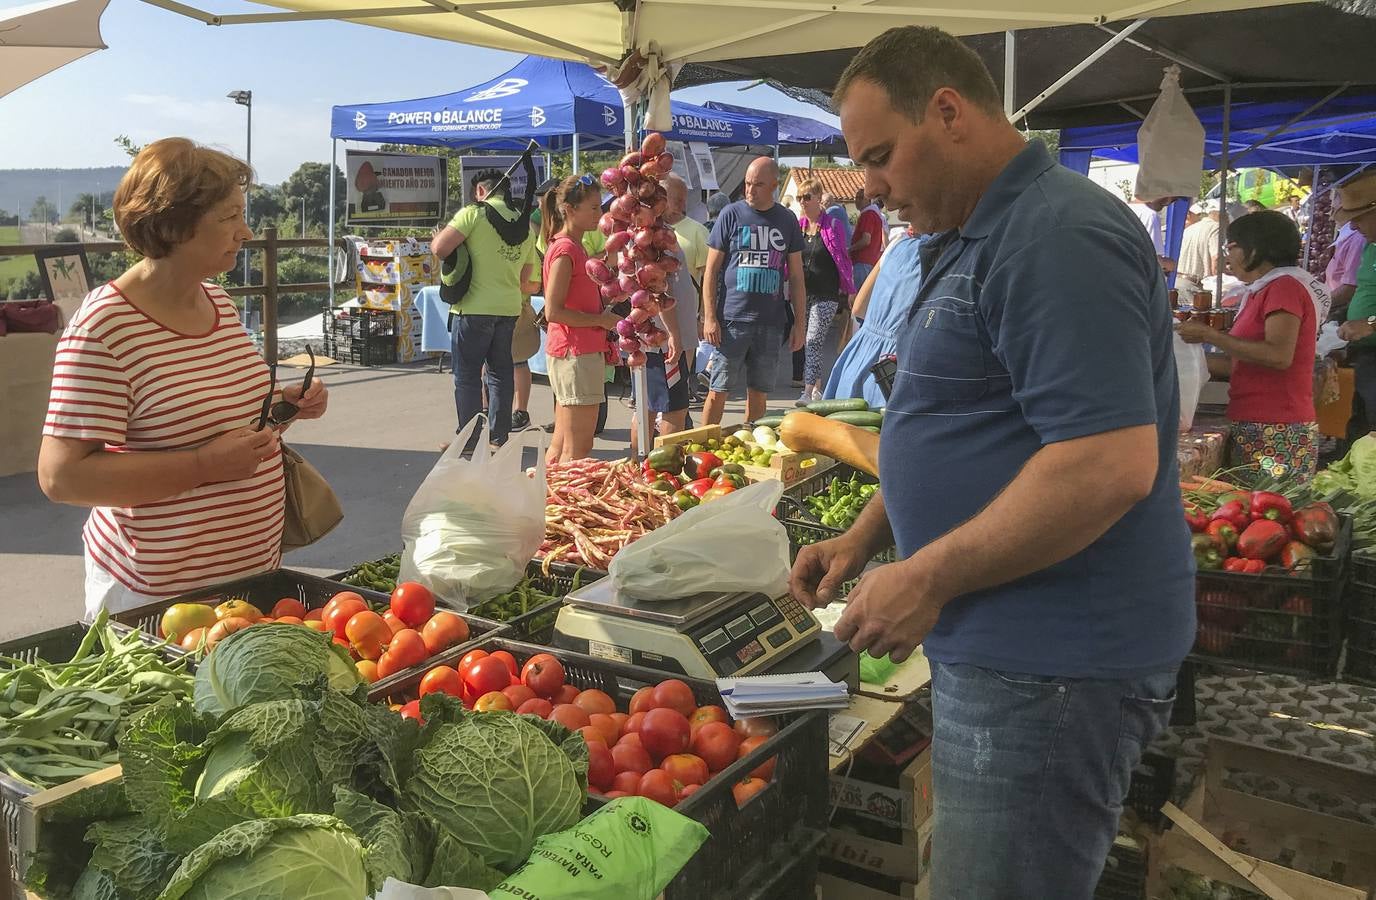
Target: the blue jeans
pixel 749 351
pixel 479 340
pixel 1029 773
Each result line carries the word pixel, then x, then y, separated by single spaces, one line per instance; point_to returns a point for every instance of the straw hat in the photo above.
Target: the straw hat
pixel 1355 198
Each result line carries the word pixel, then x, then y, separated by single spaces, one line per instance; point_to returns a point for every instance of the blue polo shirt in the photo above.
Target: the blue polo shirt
pixel 1043 318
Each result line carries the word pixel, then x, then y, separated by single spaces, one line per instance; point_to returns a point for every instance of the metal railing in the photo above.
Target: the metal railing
pixel 269 244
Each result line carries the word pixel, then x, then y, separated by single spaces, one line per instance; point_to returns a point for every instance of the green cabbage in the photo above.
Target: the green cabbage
pixel 496 781
pixel 269 662
pixel 307 857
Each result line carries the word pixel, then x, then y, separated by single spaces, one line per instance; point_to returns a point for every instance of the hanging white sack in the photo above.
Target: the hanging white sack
pixel 1170 145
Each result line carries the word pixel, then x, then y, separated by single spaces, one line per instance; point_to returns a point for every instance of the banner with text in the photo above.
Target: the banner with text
pixel 470 166
pixel 394 188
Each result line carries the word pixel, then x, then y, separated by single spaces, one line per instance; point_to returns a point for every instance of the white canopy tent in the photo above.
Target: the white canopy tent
pixel 41 37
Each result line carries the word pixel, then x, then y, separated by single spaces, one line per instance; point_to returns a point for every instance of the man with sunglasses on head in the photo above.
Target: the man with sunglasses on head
pixel 504 273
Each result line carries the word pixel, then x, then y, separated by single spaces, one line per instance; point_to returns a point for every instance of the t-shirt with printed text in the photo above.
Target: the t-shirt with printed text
pixel 757 246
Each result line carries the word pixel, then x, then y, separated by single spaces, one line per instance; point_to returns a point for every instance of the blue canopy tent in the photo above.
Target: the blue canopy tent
pixel 794 131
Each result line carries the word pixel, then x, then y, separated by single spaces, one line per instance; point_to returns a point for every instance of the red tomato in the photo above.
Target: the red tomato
pixel 412 711
pixel 745 789
pixel 642 701
pixel 595 701
pixel 413 603
pixel 510 661
pixel 717 744
pixel 626 780
pixel 444 679
pixel 518 694
pixel 604 723
pixel 314 615
pixel 631 740
pixel 633 723
pixel 367 670
pixel 287 620
pixel 658 785
pixel 193 639
pixel 674 694
pixel 688 791
pixel 613 795
pixel 288 606
pixel 765 770
pixel 704 714
pixel 601 768
pixel 566 694
pixel 486 675
pixel 537 707
pixel 759 725
pixel 315 625
pixel 543 674
pixel 491 701
pixel 367 634
pixel 469 659
pixel 631 759
pixel 225 627
pixel 685 768
pixel 393 622
pixel 665 732
pixel 620 719
pixel 593 736
pixel 570 716
pixel 409 644
pixel 341 608
pixel 443 630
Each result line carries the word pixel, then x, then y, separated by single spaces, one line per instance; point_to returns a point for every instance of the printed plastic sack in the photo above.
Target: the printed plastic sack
pixel 733 543
pixel 1192 371
pixel 474 524
pixel 1170 145
pixel 629 849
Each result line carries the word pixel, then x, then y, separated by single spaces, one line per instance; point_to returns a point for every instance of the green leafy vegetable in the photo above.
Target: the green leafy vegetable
pixel 394 844
pixel 269 662
pixel 129 861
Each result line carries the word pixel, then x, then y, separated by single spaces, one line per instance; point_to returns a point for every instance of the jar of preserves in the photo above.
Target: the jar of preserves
pixel 1203 301
pixel 1217 320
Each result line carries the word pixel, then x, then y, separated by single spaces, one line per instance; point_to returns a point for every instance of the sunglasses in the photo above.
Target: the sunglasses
pixel 283 411
pixel 804 196
pixel 586 180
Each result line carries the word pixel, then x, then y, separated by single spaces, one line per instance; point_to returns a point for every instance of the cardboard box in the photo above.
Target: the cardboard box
pixel 1239 839
pixel 837 887
pixel 906 806
pixel 907 858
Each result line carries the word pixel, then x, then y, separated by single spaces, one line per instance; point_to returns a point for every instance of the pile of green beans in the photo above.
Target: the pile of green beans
pixel 378 575
pixel 58 721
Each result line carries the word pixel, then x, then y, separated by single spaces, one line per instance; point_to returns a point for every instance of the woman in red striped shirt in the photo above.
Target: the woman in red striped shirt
pixel 157 391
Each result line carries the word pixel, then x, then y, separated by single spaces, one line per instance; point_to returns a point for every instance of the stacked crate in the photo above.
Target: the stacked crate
pixel 389 275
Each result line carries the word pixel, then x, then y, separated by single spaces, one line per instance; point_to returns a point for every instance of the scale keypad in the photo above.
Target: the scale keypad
pixel 735 639
pixel 795 613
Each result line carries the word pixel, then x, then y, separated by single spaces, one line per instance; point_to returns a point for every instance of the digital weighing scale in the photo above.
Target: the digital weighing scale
pixel 708 635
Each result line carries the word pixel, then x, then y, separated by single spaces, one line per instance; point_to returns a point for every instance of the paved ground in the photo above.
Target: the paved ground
pixel 376 444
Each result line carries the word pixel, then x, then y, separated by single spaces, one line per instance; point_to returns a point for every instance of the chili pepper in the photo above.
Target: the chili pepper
pixel 1224 531
pixel 1316 525
pixel 1242 497
pixel 1296 556
pixel 1263 539
pixel 1233 511
pixel 1196 518
pixel 1268 505
pixel 1206 555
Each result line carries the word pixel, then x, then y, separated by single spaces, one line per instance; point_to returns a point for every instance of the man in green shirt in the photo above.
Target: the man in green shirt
pixel 503 274
pixel 1357 204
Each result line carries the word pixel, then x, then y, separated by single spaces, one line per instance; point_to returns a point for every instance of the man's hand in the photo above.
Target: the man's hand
pixel 235 454
pixel 672 351
pixel 799 336
pixel 1355 330
pixel 821 569
pixel 311 402
pixel 711 331
pixel 890 611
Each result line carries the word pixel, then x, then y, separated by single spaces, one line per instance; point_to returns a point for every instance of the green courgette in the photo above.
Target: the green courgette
pixel 769 421
pixel 869 428
pixel 858 418
pixel 827 407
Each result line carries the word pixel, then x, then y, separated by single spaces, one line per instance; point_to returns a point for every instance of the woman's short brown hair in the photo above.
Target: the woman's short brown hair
pixel 171 184
pixel 812 187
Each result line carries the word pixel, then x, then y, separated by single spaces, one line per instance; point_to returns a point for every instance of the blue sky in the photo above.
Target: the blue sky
pixel 166 74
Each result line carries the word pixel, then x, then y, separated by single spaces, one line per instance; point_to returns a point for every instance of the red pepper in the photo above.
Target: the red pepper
pixel 699 487
pixel 1196 518
pixel 1296 556
pixel 700 465
pixel 1243 497
pixel 1262 540
pixel 1316 525
pixel 1234 564
pixel 1233 511
pixel 1268 505
pixel 1254 567
pixel 1223 531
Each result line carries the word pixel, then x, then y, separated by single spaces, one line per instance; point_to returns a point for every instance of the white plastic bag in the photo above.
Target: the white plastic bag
pixel 396 889
pixel 474 524
pixel 733 543
pixel 1170 145
pixel 1192 371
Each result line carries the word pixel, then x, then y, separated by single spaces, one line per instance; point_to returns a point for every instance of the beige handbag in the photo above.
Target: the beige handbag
pixel 313 509
pixel 525 340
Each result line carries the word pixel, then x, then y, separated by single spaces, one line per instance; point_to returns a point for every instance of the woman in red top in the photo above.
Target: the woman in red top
pixel 1271 392
pixel 577 343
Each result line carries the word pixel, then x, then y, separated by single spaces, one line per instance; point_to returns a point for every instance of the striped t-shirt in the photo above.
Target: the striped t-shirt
pixel 124 379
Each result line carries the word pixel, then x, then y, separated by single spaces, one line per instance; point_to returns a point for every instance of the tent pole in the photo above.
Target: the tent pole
pixel 1084 64
pixel 1298 118
pixel 1223 185
pixel 576 163
pixel 640 384
pixel 1010 72
pixel 334 162
pixel 1309 232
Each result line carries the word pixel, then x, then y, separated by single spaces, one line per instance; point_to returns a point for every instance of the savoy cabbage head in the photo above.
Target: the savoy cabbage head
pixel 269 662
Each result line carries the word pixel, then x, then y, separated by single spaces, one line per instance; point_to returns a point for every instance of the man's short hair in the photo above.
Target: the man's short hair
pixel 489 179
pixel 717 202
pixel 913 62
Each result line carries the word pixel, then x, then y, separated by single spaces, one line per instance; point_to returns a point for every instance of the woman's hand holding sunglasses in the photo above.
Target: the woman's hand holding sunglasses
pixel 310 402
pixel 235 454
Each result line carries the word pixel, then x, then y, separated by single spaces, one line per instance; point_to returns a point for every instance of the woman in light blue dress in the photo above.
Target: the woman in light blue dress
pixel 891 288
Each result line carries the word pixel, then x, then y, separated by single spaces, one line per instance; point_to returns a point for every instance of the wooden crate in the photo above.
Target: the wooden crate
pixel 906 858
pixel 906 806
pixel 25 814
pixel 788 467
pixel 692 436
pixel 837 887
pixel 1268 830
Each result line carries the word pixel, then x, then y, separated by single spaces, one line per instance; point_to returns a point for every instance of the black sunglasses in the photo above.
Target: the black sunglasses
pixel 804 196
pixel 283 411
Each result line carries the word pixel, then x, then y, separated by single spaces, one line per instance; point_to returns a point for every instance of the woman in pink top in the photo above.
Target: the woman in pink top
pixel 577 343
pixel 1271 392
pixel 830 283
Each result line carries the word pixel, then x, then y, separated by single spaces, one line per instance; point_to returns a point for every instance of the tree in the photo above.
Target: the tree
pixel 128 146
pixel 87 208
pixel 43 211
pixel 66 236
pixel 311 183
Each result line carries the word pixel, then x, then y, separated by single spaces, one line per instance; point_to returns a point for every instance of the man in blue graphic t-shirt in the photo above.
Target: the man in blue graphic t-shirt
pixel 755 247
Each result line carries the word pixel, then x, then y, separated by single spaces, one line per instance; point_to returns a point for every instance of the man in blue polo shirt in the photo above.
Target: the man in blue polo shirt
pixel 1028 477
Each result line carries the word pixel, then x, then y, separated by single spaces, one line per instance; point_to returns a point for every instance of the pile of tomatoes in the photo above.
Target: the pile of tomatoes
pixel 664 746
pixel 382 642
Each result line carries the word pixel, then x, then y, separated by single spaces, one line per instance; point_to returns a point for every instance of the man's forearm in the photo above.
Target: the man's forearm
pixel 1063 500
pixel 871 529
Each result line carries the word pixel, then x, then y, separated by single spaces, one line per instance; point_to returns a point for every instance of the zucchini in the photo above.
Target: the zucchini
pixel 869 428
pixel 827 407
pixel 861 419
pixel 769 421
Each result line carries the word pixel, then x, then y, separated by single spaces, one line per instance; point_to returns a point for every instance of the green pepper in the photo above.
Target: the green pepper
pixel 1206 555
pixel 684 500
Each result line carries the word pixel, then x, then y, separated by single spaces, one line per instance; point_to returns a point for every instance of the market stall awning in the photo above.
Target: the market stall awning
pixel 41 37
pixel 794 131
pixel 545 100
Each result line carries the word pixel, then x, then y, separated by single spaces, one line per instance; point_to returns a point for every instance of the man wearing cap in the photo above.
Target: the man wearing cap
pixel 1199 248
pixel 1357 205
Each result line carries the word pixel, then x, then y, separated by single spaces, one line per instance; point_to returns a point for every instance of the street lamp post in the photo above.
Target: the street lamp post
pixel 245 99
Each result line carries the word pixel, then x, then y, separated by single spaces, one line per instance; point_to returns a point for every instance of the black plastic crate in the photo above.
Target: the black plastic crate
pixel 1364 566
pixel 537 625
pixel 746 846
pixel 364 337
pixel 1361 634
pixel 353 571
pixel 805 528
pixel 1150 788
pixel 1288 623
pixel 1125 874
